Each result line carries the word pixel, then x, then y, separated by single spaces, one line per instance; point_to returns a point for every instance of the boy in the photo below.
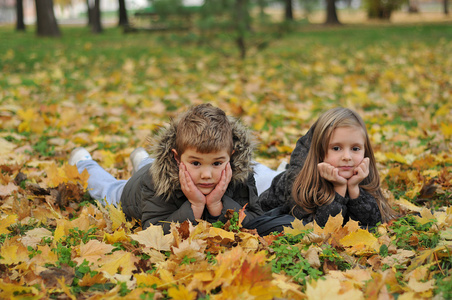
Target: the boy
pixel 201 168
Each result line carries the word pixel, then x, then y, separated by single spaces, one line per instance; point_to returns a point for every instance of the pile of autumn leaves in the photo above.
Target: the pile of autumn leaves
pixel 89 250
pixel 55 242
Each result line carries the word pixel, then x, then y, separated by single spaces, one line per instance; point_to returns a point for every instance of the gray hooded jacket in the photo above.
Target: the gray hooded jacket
pixel 154 196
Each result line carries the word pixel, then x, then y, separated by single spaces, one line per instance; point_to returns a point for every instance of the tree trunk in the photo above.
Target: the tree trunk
pixel 96 25
pixel 289 10
pixel 261 4
pixel 20 25
pixel 446 7
pixel 241 27
pixel 89 13
pixel 331 14
pixel 46 21
pixel 123 20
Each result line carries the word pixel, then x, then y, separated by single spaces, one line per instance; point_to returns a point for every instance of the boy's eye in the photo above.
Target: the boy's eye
pixel 196 163
pixel 217 163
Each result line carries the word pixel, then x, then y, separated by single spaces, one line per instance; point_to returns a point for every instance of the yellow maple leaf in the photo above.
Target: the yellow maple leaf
pixel 13 252
pixel 190 249
pixel 446 130
pixel 119 261
pixel 289 289
pixel 147 279
pixel 108 158
pixel 72 175
pixel 118 236
pixel 117 216
pixel 426 216
pixel 153 237
pixel 181 292
pixel 298 227
pixel 34 236
pixel 361 240
pixel 64 287
pixel 420 287
pixel 333 224
pixel 44 255
pixel 93 251
pixel 397 157
pixel 6 147
pixel 402 202
pixel 330 288
pixel 223 234
pixel 87 280
pixel 248 242
pixel 11 290
pixel 5 222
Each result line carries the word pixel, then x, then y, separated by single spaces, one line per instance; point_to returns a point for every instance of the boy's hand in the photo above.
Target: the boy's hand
pixel 191 191
pixel 360 172
pixel 330 173
pixel 213 200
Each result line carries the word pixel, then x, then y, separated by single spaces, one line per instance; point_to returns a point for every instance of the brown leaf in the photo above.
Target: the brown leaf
pixel 51 275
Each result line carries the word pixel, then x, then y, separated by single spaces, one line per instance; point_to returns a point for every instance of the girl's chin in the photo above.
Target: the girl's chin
pixel 346 175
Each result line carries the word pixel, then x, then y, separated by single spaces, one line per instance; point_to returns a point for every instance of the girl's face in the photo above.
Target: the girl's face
pixel 205 168
pixel 346 149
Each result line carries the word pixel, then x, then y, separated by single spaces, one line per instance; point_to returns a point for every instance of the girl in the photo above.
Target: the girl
pixel 332 170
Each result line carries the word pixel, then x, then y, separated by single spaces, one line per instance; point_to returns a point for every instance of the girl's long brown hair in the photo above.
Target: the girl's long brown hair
pixel 310 190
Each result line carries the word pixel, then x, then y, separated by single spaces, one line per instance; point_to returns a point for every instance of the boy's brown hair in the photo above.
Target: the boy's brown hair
pixel 204 128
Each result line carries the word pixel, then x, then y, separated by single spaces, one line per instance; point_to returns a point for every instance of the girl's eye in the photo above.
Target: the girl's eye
pixel 356 148
pixel 336 148
pixel 217 163
pixel 196 163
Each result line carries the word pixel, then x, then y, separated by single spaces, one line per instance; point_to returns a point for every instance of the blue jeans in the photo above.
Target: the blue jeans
pixel 104 187
pixel 101 184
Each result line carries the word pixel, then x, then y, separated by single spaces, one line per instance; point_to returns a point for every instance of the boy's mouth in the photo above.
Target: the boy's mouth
pixel 206 185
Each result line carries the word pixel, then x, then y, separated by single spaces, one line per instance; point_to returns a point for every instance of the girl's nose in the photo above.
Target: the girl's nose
pixel 346 156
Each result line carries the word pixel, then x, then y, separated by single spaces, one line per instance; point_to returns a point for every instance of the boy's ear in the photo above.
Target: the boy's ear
pixel 176 156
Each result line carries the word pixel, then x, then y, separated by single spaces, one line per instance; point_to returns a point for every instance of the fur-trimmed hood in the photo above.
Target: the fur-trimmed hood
pixel 165 171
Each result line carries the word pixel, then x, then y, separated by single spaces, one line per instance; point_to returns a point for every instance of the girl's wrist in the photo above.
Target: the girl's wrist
pixel 353 191
pixel 341 189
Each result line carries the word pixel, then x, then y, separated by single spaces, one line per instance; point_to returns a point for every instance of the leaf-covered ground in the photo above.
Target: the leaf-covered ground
pixel 107 93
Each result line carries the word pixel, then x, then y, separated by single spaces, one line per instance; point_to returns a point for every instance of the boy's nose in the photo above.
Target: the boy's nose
pixel 206 173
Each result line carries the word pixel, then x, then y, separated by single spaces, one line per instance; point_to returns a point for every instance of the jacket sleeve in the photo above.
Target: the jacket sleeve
pixel 241 195
pixel 280 190
pixel 339 205
pixel 364 209
pixel 157 211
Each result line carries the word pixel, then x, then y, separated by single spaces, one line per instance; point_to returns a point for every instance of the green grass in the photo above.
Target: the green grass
pixel 27 49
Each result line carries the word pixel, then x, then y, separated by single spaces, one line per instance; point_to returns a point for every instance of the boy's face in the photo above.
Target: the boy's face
pixel 204 168
pixel 346 150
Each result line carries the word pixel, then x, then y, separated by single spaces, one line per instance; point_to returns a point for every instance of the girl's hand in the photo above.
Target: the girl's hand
pixel 191 191
pixel 330 173
pixel 359 174
pixel 213 200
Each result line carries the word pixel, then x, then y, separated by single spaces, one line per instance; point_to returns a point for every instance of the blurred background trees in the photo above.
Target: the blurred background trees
pixel 248 24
